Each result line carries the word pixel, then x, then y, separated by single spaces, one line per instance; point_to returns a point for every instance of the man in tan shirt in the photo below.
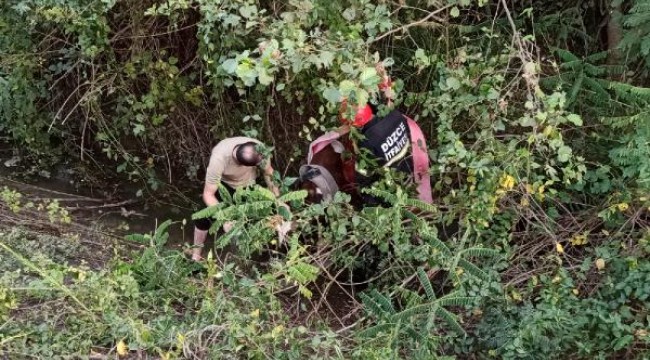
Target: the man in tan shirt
pixel 234 164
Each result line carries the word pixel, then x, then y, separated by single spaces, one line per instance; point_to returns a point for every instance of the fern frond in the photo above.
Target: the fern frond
pixel 450 319
pixel 303 272
pixel 294 196
pixel 618 122
pixel 413 334
pixel 593 70
pixel 436 243
pixel 577 86
pixel 417 203
pixel 372 307
pixel 482 252
pixel 410 215
pixel 574 66
pixel 207 212
pixel 138 238
pixel 408 313
pixel 383 301
pixel 372 332
pixel 161 235
pixel 596 57
pixel 384 195
pixel 452 300
pixel 266 193
pixel 376 304
pixel 614 70
pixel 227 238
pixel 426 284
pixel 566 55
pixel 598 87
pixel 472 269
pixel 224 194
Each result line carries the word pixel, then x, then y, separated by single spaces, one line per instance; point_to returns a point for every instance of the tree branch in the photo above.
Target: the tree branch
pixel 419 22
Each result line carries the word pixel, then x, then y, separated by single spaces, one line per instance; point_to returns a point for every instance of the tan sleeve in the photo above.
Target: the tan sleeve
pixel 215 170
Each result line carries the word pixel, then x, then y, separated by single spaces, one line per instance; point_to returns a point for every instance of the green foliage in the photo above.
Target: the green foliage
pixel 561 320
pixel 408 330
pixel 142 303
pixel 620 106
pixel 636 39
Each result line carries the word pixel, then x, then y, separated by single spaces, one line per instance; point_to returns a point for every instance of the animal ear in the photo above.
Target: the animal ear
pixel 319 191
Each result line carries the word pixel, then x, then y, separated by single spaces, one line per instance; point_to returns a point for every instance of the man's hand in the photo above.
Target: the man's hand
pixel 209 197
pixel 268 178
pixel 228 225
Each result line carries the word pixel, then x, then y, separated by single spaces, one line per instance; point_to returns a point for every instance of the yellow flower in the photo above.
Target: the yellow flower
pixel 255 313
pixel 579 239
pixel 277 331
pixel 575 292
pixel 530 189
pixel 122 349
pixel 600 264
pixel 507 182
pixel 559 248
pixel 622 207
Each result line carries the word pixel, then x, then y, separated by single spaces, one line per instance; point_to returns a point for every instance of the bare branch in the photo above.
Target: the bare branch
pixel 416 23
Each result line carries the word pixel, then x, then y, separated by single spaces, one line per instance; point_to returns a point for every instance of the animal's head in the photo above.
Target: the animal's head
pixel 318 182
pixel 314 194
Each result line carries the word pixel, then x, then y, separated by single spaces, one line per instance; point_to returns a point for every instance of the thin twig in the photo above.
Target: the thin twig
pixel 416 23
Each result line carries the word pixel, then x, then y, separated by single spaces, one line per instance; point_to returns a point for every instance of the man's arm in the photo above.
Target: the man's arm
pixel 268 178
pixel 209 197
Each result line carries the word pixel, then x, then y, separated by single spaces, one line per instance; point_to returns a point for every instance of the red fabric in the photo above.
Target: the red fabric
pixel 420 161
pixel 320 143
pixel 362 116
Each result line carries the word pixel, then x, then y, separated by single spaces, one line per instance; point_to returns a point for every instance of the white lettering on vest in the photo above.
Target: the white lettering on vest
pixel 394 143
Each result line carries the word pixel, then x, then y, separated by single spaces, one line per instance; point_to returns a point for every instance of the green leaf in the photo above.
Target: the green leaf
pixel 264 77
pixel 326 58
pixel 294 196
pixel 349 14
pixel 426 284
pixel 138 129
pixel 346 87
pixel 369 77
pixel 421 58
pixel 574 119
pixel 453 83
pixel 246 73
pixel 332 95
pixel 230 66
pixel 286 214
pixel 564 153
pixel 249 11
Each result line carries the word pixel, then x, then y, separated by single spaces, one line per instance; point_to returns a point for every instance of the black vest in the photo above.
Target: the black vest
pixel 389 140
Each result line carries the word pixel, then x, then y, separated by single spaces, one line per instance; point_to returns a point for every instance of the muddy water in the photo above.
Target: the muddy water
pixel 118 212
